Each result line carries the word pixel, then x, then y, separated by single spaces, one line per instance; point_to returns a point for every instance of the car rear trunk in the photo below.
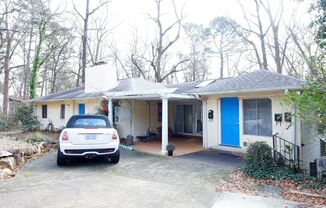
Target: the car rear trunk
pixel 89 136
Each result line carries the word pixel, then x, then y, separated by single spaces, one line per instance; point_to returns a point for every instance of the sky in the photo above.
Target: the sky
pixel 126 15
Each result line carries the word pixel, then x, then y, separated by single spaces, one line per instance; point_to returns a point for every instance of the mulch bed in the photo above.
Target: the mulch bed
pixel 291 190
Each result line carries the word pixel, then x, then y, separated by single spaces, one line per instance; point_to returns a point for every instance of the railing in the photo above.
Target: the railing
pixel 285 151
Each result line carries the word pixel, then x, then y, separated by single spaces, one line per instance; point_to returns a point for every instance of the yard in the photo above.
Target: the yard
pixel 139 180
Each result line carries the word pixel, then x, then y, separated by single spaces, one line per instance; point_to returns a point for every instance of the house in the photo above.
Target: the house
pixel 226 114
pixel 12 103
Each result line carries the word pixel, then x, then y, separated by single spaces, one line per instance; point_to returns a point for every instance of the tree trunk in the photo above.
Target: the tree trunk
pixel 261 37
pixel 37 61
pixel 277 50
pixel 28 62
pixel 5 105
pixel 221 64
pixel 84 40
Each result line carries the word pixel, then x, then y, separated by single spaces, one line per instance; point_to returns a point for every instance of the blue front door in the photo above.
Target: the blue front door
pixel 81 109
pixel 230 122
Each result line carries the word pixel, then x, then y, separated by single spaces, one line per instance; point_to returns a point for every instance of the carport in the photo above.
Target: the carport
pixel 158 101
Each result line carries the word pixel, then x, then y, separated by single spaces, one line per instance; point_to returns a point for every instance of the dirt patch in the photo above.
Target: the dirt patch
pixel 288 189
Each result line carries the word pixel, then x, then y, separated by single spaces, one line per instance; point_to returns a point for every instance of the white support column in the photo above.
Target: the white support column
pixel 204 120
pixel 110 110
pixel 165 124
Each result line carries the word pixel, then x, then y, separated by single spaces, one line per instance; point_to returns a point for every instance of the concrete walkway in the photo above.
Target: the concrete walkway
pixel 139 180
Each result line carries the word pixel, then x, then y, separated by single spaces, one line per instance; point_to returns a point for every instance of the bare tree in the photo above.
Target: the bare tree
pixel 196 68
pixel 166 37
pixel 85 19
pixel 275 25
pixel 10 20
pixel 226 41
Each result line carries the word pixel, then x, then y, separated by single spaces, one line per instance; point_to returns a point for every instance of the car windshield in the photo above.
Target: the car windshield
pixel 89 123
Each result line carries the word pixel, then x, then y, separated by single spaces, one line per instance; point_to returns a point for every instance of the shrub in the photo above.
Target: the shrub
pixel 8 123
pixel 38 137
pixel 25 115
pixel 259 162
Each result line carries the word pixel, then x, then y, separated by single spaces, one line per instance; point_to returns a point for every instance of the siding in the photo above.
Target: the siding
pixel 285 130
pixel 71 109
pixel 311 148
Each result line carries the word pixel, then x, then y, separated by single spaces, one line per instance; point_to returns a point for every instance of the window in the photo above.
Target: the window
pixel 44 111
pixel 188 118
pixel 62 111
pixel 322 148
pixel 257 117
pixel 159 111
pixel 88 122
pixel 116 110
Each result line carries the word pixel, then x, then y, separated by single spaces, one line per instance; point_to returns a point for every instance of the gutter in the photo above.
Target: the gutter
pixel 245 91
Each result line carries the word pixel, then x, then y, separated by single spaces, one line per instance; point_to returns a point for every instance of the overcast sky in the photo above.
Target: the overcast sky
pixel 129 14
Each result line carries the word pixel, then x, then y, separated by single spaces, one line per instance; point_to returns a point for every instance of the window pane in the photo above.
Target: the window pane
pixel 199 124
pixel 179 118
pixel 62 111
pixel 44 111
pixel 159 111
pixel 90 123
pixel 264 109
pixel 116 110
pixel 188 118
pixel 249 117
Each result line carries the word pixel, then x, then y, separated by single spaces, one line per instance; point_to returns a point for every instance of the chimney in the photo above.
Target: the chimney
pixel 99 78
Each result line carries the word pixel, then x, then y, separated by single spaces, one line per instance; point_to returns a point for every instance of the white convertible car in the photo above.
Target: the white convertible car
pixel 88 136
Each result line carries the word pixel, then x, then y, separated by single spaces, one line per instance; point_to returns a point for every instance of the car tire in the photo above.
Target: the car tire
pixel 115 158
pixel 61 160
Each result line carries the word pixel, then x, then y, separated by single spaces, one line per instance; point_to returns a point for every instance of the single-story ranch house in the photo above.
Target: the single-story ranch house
pixel 226 114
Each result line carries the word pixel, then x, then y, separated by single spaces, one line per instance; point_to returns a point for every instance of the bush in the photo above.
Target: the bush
pixel 259 162
pixel 24 114
pixel 7 124
pixel 38 137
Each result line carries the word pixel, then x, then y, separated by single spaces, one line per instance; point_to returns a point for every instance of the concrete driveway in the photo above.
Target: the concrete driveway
pixel 139 180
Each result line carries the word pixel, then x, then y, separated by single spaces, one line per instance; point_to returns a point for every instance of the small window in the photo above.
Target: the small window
pixel 159 111
pixel 116 113
pixel 257 117
pixel 322 148
pixel 44 111
pixel 62 111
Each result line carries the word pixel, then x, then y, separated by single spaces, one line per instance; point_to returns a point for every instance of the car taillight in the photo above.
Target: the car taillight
pixel 114 136
pixel 64 136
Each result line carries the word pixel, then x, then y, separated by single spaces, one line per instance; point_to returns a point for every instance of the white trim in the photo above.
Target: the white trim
pixel 204 121
pixel 245 91
pixel 165 125
pixel 141 92
pixel 110 110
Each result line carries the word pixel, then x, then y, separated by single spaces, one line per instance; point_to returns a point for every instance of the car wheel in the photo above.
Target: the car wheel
pixel 114 159
pixel 61 160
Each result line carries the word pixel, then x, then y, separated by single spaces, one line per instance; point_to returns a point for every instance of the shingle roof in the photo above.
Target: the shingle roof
pixel 79 92
pixel 75 93
pixel 136 84
pixel 260 80
pixel 183 87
